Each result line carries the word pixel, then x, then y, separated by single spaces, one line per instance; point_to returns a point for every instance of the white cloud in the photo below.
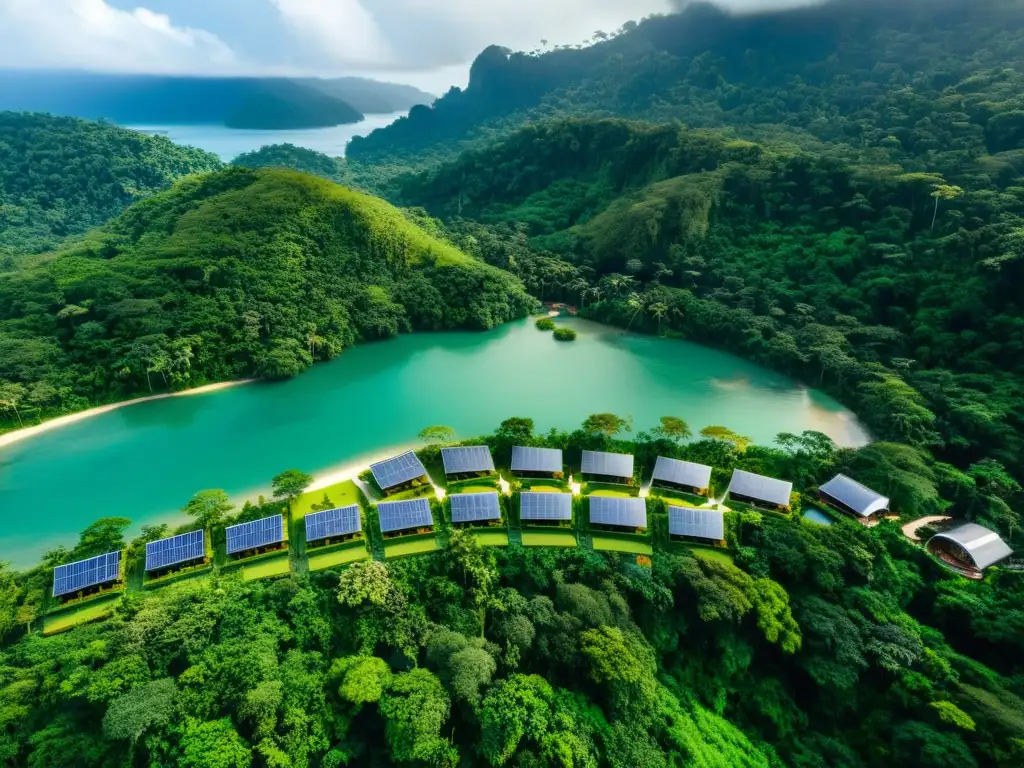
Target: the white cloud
pixel 342 30
pixel 91 34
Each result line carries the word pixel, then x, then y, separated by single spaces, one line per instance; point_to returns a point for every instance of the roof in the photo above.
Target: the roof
pixel 610 464
pixel 545 506
pixel 476 458
pixel 402 515
pixel 759 487
pixel 682 472
pixel 333 522
pixel 852 494
pixel 702 523
pixel 397 470
pixel 86 573
pixel 176 549
pixel 536 459
pixel 258 533
pixel 628 512
pixel 470 507
pixel 984 546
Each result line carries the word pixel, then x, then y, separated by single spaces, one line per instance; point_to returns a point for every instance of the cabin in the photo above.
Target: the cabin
pixel 475 509
pixel 399 473
pixel 682 476
pixel 538 462
pixel 467 462
pixel 601 467
pixel 256 537
pixel 405 518
pixel 969 549
pixel 698 526
pixel 175 553
pixel 85 578
pixel 759 491
pixel 333 526
pixel 616 513
pixel 545 508
pixel 851 498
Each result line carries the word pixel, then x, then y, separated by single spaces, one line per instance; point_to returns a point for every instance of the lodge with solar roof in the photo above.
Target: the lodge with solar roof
pixel 84 578
pixel 467 462
pixel 175 553
pixel 759 491
pixel 256 537
pixel 685 476
pixel 537 462
pixel 703 526
pixel 399 473
pixel 408 517
pixel 618 513
pixel 333 526
pixel 475 509
pixel 850 497
pixel 545 508
pixel 602 467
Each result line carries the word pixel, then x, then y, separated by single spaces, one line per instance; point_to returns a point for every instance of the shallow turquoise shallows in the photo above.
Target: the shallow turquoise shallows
pixel 145 461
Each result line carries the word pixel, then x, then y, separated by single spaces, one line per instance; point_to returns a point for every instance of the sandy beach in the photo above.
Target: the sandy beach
pixel 62 421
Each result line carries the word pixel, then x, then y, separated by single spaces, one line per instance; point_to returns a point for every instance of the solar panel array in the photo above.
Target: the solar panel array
pixel 536 459
pixel 545 506
pixel 609 464
pixel 86 573
pixel 397 470
pixel 759 487
pixel 682 472
pixel 176 549
pixel 475 458
pixel 624 512
pixel 402 515
pixel 258 533
pixel 474 507
pixel 333 522
pixel 857 497
pixel 700 523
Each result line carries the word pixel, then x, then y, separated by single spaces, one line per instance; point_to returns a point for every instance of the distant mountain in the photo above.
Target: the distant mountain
pixel 258 103
pixel 371 97
pixel 61 176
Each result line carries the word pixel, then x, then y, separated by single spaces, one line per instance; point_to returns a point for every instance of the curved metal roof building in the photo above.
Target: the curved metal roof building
pixel 980 545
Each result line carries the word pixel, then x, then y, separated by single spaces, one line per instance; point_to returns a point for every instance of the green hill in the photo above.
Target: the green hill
pixel 231 274
pixel 60 176
pixel 297 159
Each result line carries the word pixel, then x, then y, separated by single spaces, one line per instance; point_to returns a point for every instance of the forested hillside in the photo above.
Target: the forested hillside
pixel 60 176
pixel 232 274
pixel 298 159
pixel 938 84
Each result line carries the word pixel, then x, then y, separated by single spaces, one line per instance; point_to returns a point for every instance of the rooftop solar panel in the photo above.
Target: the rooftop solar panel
pixel 402 515
pixel 682 472
pixel 852 494
pixel 623 512
pixel 333 522
pixel 176 549
pixel 86 573
pixel 536 459
pixel 608 464
pixel 475 458
pixel 258 533
pixel 545 506
pixel 473 507
pixel 766 489
pixel 700 523
pixel 397 470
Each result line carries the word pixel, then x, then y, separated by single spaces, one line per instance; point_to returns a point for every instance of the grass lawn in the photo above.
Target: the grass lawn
pixel 635 547
pixel 614 494
pixel 492 538
pixel 545 489
pixel 263 569
pixel 415 547
pixel 476 489
pixel 337 557
pixel 415 493
pixel 341 495
pixel 73 617
pixel 549 539
pixel 679 502
pixel 711 553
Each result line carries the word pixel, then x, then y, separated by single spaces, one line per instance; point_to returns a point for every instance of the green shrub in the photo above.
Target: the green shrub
pixel 565 334
pixel 545 324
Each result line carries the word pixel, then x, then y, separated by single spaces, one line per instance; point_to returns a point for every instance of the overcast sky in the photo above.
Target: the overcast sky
pixel 428 43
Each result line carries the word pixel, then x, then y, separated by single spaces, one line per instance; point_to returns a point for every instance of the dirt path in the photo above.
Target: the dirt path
pixel 910 529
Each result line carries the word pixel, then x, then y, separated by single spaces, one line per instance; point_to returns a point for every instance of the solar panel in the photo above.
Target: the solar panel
pixel 624 512
pixel 86 573
pixel 402 515
pixel 852 494
pixel 609 464
pixel 333 522
pixel 536 459
pixel 472 507
pixel 476 458
pixel 545 506
pixel 397 470
pixel 700 523
pixel 682 472
pixel 176 549
pixel 258 533
pixel 766 489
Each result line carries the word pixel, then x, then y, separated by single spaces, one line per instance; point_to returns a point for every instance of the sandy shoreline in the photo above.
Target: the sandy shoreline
pixel 62 421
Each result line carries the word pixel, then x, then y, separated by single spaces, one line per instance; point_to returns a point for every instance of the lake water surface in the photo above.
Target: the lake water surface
pixel 229 143
pixel 145 461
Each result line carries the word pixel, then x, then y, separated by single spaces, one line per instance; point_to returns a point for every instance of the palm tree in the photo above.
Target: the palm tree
pixel 10 395
pixel 659 311
pixel 637 305
pixel 582 287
